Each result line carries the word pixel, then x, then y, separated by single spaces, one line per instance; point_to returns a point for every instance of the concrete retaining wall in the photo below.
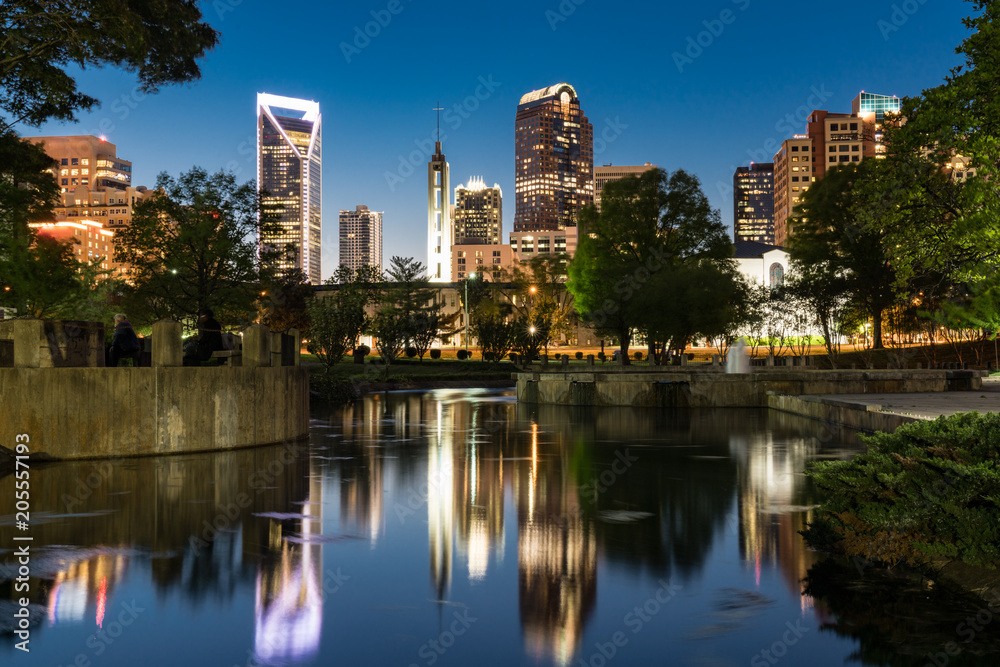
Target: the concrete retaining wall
pixel 861 416
pixel 72 413
pixel 699 388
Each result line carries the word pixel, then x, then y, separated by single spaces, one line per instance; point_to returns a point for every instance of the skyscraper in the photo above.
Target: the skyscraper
pixel 478 213
pixel 753 203
pixel 289 168
pixel 554 159
pixel 440 233
pixel 361 238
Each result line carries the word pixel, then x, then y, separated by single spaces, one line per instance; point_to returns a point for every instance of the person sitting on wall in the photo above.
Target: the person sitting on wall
pixel 209 339
pixel 124 342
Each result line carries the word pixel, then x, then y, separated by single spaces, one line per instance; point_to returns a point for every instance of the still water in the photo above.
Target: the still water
pixel 459 528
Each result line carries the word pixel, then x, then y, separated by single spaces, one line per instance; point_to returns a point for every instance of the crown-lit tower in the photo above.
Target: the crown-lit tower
pixel 289 168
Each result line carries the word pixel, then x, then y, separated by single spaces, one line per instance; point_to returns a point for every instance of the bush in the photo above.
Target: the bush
pixel 602 356
pixel 638 356
pixel 928 492
pixel 362 350
pixel 435 353
pixel 462 355
pixel 579 356
pixel 411 352
pixel 487 356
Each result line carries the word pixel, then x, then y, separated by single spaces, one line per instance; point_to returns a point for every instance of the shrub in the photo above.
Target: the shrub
pixel 638 356
pixel 928 492
pixel 579 356
pixel 435 353
pixel 411 352
pixel 362 350
pixel 602 356
pixel 487 356
pixel 462 355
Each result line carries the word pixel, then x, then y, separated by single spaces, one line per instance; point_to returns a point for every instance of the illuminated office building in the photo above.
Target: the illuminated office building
pixel 753 203
pixel 289 168
pixel 607 173
pixel 478 213
pixel 554 160
pixel 361 238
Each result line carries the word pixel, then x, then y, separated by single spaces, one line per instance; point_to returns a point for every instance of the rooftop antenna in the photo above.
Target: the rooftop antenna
pixel 439 109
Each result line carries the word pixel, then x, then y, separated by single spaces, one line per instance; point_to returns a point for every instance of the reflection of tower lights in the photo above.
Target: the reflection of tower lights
pixel 440 503
pixel 534 469
pixel 102 598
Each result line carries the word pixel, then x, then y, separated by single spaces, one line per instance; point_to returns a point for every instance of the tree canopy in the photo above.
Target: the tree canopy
pixel 160 41
pixel 641 259
pixel 194 244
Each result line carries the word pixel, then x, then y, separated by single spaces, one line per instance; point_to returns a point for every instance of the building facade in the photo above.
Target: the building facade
pixel 753 203
pixel 482 259
pixel 527 245
pixel 607 173
pixel 478 213
pixel 793 175
pixel 289 168
pixel 440 231
pixel 91 241
pixel 360 238
pixel 554 160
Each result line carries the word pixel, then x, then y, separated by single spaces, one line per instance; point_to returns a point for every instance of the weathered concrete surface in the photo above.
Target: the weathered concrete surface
pixel 861 416
pixel 706 388
pixel 73 413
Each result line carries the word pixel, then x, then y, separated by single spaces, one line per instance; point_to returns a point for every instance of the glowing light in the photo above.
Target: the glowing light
pixel 102 598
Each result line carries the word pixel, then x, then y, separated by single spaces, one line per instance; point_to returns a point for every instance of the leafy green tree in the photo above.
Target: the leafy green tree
pixel 416 303
pixel 496 335
pixel 286 301
pixel 45 40
pixel 194 244
pixel 391 329
pixel 655 241
pixel 336 321
pixel 935 199
pixel 831 247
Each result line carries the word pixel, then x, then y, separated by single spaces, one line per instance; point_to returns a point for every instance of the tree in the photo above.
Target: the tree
pixel 194 244
pixel 655 240
pixel 832 247
pixel 336 322
pixel 496 335
pixel 416 304
pixel 936 200
pixel 43 40
pixel 286 302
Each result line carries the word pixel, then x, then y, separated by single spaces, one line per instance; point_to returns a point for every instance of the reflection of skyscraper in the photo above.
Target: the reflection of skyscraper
pixel 554 159
pixel 289 168
pixel 556 556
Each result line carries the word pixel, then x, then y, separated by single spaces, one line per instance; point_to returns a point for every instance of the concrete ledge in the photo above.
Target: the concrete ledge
pixel 861 416
pixel 77 413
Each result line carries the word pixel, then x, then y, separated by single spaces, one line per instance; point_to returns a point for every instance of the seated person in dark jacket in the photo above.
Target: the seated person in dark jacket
pixel 209 339
pixel 124 342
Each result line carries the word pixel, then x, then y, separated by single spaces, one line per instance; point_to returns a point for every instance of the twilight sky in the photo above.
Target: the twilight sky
pixel 702 86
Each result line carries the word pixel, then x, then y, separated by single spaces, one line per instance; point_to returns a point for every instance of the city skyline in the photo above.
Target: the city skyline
pixel 677 93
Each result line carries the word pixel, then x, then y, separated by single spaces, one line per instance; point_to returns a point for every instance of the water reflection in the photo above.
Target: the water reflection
pixel 599 504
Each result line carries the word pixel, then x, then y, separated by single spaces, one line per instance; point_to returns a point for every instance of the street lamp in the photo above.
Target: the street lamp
pixel 472 276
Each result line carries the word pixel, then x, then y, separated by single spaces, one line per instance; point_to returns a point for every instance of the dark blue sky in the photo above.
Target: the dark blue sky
pixel 717 106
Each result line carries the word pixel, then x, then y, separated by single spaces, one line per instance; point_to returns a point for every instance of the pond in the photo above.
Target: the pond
pixel 456 527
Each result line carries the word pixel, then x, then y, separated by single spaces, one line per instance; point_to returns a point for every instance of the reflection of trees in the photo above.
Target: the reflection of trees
pixel 900 621
pixel 190 519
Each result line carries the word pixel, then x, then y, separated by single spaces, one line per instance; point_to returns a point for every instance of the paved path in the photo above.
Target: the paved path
pixel 931 405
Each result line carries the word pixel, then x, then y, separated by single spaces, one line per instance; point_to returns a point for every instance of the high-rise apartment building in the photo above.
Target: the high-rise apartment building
pixel 753 203
pixel 607 173
pixel 554 159
pixel 832 140
pixel 289 168
pixel 478 213
pixel 361 238
pixel 440 232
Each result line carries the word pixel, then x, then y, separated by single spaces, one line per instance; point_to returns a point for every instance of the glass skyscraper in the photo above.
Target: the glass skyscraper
pixel 753 203
pixel 289 169
pixel 554 159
